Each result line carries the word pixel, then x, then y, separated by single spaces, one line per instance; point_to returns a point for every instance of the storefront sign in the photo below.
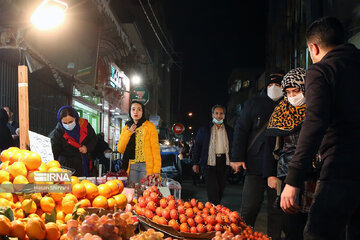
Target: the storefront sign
pixel 117 77
pixel 178 128
pixel 140 94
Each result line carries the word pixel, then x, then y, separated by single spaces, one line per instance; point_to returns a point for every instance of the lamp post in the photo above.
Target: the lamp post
pixel 49 14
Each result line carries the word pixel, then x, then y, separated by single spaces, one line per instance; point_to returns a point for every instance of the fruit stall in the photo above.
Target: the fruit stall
pixel 102 208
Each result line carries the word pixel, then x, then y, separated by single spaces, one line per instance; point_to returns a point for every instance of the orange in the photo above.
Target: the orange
pixel 32 161
pixel 85 203
pixel 4 202
pixel 53 163
pixel 78 190
pixel 111 203
pixel 60 215
pixel 52 231
pixel 42 216
pixel 35 228
pixel 17 156
pixel 64 237
pixel 121 200
pixel 54 169
pixel 34 215
pixel 100 202
pixel 7 186
pixel 18 229
pixel 5 226
pixel 31 177
pixel 63 228
pixel 4 176
pixel 36 196
pixel 20 180
pixel 4 165
pixel 59 222
pixel 85 182
pixel 17 204
pixel 74 180
pixel 114 187
pixel 91 191
pixel 71 197
pixel 58 207
pixel 80 211
pixel 68 203
pixel 29 206
pixel 47 204
pixel 58 197
pixel 120 184
pixel 104 190
pixel 19 213
pixel 7 196
pixel 43 167
pixel 6 154
pixel 17 169
pixel 67 217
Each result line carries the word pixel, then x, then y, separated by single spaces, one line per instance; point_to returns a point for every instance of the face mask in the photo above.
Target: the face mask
pixel 274 92
pixel 70 126
pixel 218 122
pixel 298 100
pixel 107 155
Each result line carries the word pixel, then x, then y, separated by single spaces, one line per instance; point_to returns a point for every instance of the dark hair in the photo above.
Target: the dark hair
pixel 67 112
pixel 326 32
pixel 218 106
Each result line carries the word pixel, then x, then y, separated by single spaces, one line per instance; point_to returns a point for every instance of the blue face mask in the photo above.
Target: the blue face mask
pixel 70 126
pixel 218 122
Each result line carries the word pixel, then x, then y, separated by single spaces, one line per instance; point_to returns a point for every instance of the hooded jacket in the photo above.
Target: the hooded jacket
pixel 332 123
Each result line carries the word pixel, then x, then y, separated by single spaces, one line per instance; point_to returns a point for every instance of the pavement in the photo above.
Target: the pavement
pixel 231 199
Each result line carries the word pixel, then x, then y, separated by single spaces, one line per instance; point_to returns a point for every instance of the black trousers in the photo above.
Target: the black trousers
pixel 252 198
pixel 215 178
pixel 336 209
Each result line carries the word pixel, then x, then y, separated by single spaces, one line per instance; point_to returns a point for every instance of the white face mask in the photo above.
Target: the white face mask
pixel 298 100
pixel 107 155
pixel 70 126
pixel 274 92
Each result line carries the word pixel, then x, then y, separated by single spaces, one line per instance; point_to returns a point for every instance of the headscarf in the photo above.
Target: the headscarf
pixel 286 118
pixel 130 147
pixel 75 133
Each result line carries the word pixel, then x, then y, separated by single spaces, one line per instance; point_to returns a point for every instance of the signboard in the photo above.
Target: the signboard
pixel 117 78
pixel 178 128
pixel 140 94
pixel 41 145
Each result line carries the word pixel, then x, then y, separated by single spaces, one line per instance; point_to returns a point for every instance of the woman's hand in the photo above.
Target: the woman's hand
pixel 83 149
pixel 272 182
pixel 132 129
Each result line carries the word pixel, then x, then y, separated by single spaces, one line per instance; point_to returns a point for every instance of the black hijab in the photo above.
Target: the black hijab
pixel 6 138
pixel 130 147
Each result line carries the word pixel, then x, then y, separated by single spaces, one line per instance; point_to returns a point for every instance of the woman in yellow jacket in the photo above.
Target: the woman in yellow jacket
pixel 139 142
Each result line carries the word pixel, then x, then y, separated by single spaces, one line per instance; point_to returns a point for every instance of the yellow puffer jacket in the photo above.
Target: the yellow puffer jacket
pixel 151 145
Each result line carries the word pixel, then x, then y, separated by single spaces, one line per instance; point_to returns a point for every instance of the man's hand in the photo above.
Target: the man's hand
pixel 272 182
pixel 287 203
pixel 195 168
pixel 237 165
pixel 83 149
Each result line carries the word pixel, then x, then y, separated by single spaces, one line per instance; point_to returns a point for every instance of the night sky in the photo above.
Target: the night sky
pixel 214 37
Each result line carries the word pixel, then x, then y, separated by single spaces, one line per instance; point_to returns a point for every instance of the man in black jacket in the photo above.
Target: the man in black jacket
pixel 212 151
pixel 332 126
pixel 248 151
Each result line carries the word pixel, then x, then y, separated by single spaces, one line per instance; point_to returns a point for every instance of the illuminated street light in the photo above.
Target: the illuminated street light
pixel 190 127
pixel 190 114
pixel 135 79
pixel 50 14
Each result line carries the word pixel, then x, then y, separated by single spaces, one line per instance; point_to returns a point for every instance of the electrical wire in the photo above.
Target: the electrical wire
pixel 161 30
pixel 157 36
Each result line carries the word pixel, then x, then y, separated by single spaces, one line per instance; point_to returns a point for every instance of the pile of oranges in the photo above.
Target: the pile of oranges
pixel 18 167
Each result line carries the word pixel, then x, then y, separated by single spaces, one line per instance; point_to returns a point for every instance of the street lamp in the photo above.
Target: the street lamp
pixel 190 114
pixel 136 79
pixel 48 15
pixel 190 127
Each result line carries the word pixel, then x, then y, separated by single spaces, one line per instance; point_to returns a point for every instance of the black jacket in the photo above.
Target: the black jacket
pixel 201 147
pixel 256 112
pixel 68 155
pixel 332 122
pixel 6 140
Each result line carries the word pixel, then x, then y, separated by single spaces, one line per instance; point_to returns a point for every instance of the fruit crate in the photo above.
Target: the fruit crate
pixel 168 231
